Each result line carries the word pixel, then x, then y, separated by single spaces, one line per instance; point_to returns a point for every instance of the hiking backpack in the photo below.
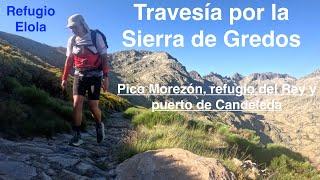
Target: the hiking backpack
pixel 93 34
pixel 94 37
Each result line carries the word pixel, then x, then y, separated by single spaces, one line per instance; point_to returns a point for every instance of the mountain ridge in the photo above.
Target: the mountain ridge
pixel 60 51
pixel 50 54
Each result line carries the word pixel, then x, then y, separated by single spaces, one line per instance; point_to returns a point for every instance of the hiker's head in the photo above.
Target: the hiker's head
pixel 77 24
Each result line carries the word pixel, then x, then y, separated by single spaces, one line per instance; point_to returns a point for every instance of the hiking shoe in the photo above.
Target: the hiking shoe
pixel 100 132
pixel 76 140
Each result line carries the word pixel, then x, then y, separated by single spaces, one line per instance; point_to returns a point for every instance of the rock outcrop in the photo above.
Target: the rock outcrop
pixel 172 163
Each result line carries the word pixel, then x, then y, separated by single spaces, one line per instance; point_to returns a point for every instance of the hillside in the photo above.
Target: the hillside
pixel 297 125
pixel 51 55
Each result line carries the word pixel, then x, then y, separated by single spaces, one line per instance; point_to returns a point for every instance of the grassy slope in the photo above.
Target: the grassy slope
pixel 157 130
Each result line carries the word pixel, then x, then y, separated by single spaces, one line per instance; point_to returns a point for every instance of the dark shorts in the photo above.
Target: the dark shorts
pixel 92 85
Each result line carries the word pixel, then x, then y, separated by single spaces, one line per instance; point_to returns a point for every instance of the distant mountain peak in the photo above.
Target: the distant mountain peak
pixel 313 74
pixel 196 76
pixel 268 76
pixel 237 77
pixel 216 78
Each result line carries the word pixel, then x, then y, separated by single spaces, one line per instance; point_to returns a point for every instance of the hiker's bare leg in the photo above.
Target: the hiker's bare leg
pixel 77 109
pixel 95 110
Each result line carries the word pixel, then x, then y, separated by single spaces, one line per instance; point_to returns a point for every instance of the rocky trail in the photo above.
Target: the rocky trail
pixel 41 158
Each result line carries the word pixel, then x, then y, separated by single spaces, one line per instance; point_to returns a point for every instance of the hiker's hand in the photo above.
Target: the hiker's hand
pixel 63 85
pixel 105 84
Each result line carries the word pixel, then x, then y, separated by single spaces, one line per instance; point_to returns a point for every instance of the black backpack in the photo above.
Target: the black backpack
pixel 94 37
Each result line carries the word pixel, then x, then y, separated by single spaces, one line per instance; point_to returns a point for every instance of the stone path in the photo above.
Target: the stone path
pixel 55 159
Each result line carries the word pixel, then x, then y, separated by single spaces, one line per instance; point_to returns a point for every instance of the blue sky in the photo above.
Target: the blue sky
pixel 113 17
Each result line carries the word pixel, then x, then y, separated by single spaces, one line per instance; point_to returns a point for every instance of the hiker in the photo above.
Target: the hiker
pixel 87 52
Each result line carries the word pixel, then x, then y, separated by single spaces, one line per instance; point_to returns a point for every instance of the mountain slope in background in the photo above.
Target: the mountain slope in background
pixel 51 55
pixel 295 127
pixel 146 67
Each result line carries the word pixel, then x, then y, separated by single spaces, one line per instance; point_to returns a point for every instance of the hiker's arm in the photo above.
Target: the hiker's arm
pixel 69 60
pixel 67 67
pixel 105 65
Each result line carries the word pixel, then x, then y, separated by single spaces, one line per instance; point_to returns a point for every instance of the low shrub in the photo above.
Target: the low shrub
pixel 283 167
pixel 9 84
pixel 111 102
pixel 19 119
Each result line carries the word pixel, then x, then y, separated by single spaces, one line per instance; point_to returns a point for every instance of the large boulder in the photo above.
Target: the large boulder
pixel 171 164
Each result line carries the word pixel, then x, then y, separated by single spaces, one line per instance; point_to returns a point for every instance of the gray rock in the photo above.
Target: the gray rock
pixel 42 144
pixel 44 176
pixel 27 148
pixel 40 165
pixel 64 136
pixel 88 160
pixel 98 178
pixel 23 157
pixel 72 150
pixel 4 141
pixel 33 149
pixel 112 173
pixel 17 170
pixel 28 162
pixel 84 168
pixel 63 160
pixel 7 149
pixel 65 174
pixel 51 172
pixel 172 163
pixel 3 157
pixel 5 177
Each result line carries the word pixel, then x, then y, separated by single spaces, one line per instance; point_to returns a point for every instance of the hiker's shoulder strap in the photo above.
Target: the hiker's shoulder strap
pixel 71 43
pixel 94 37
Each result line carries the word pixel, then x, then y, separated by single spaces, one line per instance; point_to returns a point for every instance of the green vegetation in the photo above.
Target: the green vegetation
pixel 29 111
pixel 284 167
pixel 157 130
pixel 133 111
pixel 150 119
pixel 31 101
pixel 112 102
